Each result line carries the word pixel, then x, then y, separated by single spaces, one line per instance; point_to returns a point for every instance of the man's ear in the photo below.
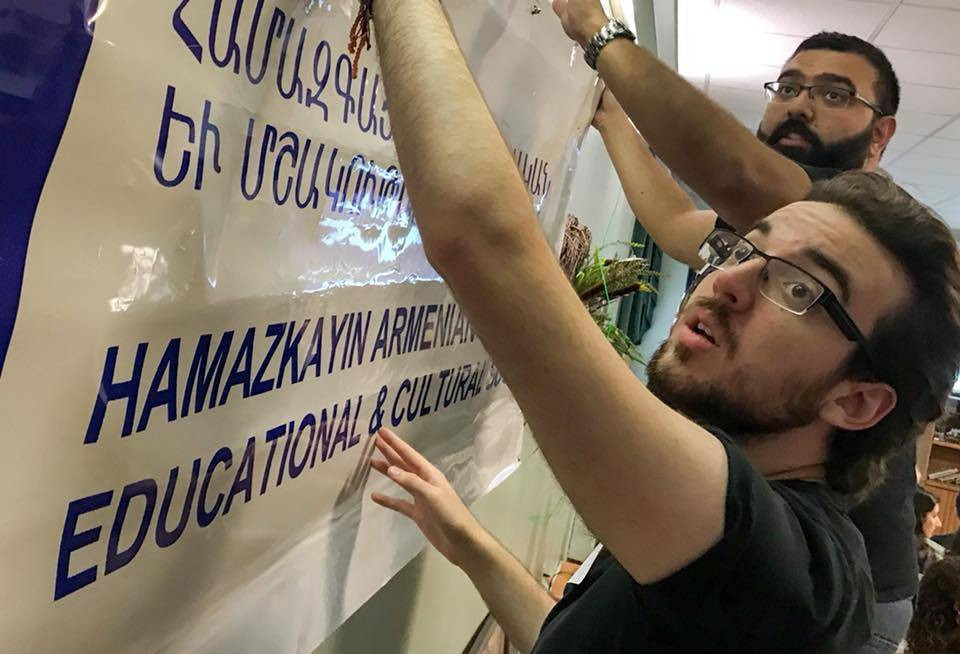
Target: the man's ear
pixel 882 131
pixel 856 405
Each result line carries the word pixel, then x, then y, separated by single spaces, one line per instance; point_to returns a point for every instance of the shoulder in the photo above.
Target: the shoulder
pixel 804 550
pixel 816 173
pixel 823 514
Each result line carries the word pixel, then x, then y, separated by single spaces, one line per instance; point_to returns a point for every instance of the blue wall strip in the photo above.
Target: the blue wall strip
pixel 43 49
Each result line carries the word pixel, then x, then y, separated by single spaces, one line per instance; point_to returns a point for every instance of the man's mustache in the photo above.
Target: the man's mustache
pixel 798 127
pixel 722 315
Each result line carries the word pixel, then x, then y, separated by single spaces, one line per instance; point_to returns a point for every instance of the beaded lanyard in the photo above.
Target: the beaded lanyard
pixel 360 33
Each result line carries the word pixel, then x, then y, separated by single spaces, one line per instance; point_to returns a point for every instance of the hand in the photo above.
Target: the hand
pixel 436 509
pixel 581 19
pixel 608 110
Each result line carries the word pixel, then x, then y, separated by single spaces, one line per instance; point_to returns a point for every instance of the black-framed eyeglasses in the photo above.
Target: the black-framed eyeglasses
pixel 825 96
pixel 786 284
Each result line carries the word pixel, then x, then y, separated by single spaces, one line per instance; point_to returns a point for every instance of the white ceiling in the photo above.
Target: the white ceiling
pixel 730 47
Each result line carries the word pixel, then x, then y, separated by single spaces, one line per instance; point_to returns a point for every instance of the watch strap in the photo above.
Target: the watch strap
pixel 614 29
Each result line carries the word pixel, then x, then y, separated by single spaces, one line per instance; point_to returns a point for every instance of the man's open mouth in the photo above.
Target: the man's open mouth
pixel 703 330
pixel 793 139
pixel 703 327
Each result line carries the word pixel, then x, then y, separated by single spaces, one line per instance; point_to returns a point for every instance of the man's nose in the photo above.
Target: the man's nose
pixel 802 107
pixel 737 286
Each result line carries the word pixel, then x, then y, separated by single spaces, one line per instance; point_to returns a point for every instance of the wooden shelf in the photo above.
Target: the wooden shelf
pixel 939 443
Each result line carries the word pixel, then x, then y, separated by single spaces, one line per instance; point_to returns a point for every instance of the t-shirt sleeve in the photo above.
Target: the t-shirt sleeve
pixel 720 223
pixel 780 573
pixel 817 173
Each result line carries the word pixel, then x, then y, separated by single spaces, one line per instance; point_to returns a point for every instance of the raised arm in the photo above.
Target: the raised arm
pixel 618 452
pixel 657 201
pixel 731 169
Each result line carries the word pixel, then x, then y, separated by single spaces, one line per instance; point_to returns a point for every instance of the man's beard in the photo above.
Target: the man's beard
pixel 848 154
pixel 725 407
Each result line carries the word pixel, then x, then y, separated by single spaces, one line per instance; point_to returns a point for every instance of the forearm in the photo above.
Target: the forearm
pixel 732 170
pixel 449 147
pixel 655 198
pixel 513 596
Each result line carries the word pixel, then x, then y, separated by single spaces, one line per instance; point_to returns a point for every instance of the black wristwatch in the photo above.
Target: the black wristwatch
pixel 614 29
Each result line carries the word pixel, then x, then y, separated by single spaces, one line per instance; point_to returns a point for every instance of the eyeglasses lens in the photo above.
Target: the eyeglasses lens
pixel 789 287
pixel 780 282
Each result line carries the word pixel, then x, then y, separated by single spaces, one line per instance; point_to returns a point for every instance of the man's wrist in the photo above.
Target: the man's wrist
pixel 591 27
pixel 612 30
pixel 613 124
pixel 477 552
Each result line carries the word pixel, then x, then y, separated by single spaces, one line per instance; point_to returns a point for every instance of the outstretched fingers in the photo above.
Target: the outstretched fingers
pixel 408 481
pixel 380 465
pixel 413 460
pixel 395 504
pixel 389 453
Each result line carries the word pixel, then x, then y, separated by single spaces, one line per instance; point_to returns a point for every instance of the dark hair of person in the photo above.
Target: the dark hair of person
pixel 887 86
pixel 934 628
pixel 916 348
pixel 923 503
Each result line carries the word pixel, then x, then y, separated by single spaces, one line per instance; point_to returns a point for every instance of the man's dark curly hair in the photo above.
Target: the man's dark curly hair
pixel 935 628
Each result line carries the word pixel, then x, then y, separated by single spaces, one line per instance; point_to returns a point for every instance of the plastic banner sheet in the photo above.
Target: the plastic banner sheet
pixel 213 292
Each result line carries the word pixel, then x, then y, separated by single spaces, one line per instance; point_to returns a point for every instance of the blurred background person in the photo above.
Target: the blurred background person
pixel 935 628
pixel 927 510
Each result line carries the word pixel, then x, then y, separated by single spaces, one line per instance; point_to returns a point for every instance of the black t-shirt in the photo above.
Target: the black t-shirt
pixel 817 174
pixel 790 574
pixel 887 522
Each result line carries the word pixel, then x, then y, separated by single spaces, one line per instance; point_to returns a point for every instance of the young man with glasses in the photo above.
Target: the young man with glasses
pixel 830 109
pixel 803 357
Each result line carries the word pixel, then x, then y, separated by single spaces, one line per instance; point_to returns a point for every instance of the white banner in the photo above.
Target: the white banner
pixel 213 293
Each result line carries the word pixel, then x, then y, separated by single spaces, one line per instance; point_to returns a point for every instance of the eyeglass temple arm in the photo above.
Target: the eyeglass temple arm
pixel 843 320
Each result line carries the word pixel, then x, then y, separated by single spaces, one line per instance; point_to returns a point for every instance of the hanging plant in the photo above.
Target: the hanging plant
pixel 599 281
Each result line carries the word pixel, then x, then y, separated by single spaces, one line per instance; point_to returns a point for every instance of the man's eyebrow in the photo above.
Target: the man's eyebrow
pixel 791 72
pixel 763 227
pixel 837 271
pixel 837 79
